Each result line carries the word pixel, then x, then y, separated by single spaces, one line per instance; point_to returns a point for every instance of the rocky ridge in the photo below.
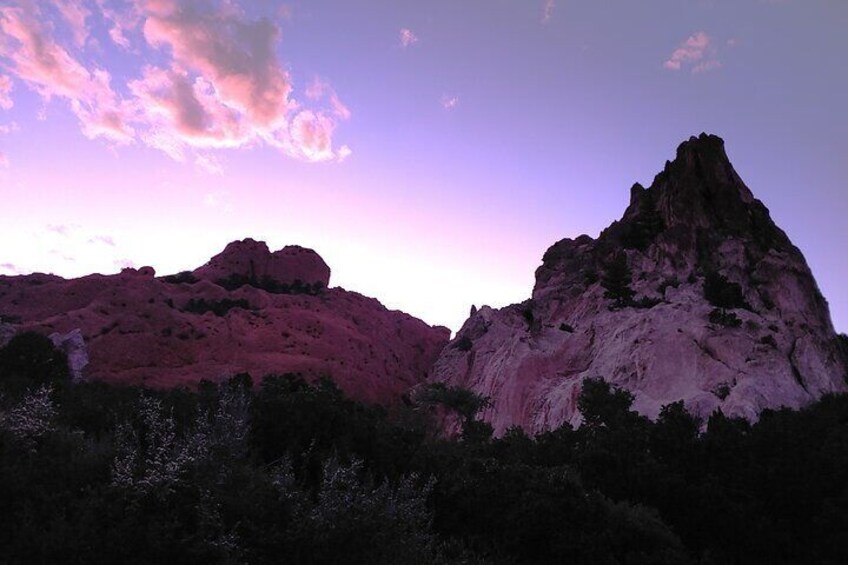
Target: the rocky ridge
pixel 694 295
pixel 246 310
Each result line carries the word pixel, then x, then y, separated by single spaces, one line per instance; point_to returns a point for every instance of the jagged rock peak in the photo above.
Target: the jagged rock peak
pixel 700 190
pixel 253 260
pixel 694 295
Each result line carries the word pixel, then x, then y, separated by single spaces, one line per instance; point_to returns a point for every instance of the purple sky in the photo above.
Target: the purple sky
pixel 430 151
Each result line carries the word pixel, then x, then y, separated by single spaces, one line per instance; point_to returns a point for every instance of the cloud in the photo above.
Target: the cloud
pixel 6 129
pixel 215 82
pixel 74 13
pixel 102 239
pixel 237 56
pixel 450 102
pixel 319 89
pixel 4 161
pixel 52 71
pixel 312 134
pixel 697 53
pixel 209 164
pixel 548 11
pixel 407 38
pixel 120 19
pixel 5 88
pixel 60 229
pixel 10 269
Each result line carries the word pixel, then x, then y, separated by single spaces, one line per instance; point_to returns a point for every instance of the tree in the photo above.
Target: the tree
pixel 616 280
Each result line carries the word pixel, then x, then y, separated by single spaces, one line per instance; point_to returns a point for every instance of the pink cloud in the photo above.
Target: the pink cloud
pixel 696 53
pixel 104 239
pixel 548 11
pixel 407 38
pixel 316 89
pixel 5 89
pixel 209 164
pixel 50 70
pixel 450 102
pixel 4 161
pixel 74 13
pixel 339 109
pixel 310 138
pixel 319 89
pixel 9 128
pixel 236 56
pixel 218 82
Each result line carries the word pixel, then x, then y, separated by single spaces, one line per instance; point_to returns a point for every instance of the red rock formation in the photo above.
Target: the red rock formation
pixel 140 329
pixel 252 260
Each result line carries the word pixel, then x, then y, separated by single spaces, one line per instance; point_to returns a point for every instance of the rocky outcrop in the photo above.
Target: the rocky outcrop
pixel 173 331
pixel 73 345
pixel 693 295
pixel 252 260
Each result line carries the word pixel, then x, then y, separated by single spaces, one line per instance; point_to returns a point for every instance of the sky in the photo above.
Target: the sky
pixel 429 151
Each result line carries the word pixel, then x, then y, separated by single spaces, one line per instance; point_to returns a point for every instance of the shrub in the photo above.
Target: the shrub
pixel 464 343
pixel 182 277
pixel 724 318
pixel 616 280
pixel 217 307
pixel 722 293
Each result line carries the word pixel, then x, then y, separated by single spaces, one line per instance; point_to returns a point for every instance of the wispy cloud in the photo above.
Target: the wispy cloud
pixel 10 269
pixel 407 38
pixel 697 53
pixel 548 10
pixel 449 102
pixel 75 14
pixel 5 91
pixel 4 161
pixel 208 164
pixel 102 239
pixel 52 71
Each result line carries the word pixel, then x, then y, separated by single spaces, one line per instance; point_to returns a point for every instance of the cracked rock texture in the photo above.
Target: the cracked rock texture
pixel 763 339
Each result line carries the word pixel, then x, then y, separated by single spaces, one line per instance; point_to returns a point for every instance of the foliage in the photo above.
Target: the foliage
pixel 464 343
pixel 183 277
pixel 724 318
pixel 722 293
pixel 616 280
pixel 31 357
pixel 646 226
pixel 269 284
pixel 217 307
pixel 295 472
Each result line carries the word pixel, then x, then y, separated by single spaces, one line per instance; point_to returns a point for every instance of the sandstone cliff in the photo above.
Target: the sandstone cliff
pixel 246 310
pixel 693 295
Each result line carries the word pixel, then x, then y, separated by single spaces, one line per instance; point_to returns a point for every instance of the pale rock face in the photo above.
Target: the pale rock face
pixel 253 260
pixel 697 217
pixel 7 332
pixel 73 345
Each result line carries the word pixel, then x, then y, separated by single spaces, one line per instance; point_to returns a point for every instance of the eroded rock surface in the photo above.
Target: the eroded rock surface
pixel 162 332
pixel 713 306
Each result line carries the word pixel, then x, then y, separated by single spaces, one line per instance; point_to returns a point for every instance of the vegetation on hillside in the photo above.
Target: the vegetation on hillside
pixel 285 471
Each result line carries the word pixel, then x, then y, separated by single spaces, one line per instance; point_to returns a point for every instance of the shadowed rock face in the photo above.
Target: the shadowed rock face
pixel 142 329
pixel 253 260
pixel 724 312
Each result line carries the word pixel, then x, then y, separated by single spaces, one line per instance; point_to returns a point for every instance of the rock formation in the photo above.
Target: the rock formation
pixel 274 314
pixel 693 295
pixel 251 260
